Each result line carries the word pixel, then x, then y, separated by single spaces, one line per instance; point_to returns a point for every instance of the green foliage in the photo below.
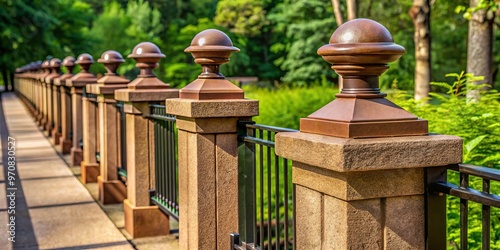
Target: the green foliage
pixel 121 28
pixel 308 25
pixel 283 107
pixel 478 123
pixel 485 5
pixel 242 17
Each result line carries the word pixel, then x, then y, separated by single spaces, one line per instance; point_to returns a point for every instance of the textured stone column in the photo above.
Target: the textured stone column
pixel 207 113
pixel 141 218
pixel 77 83
pixel 69 63
pixel 111 189
pixel 359 162
pixel 89 165
pixel 61 104
pixel 54 65
pixel 42 116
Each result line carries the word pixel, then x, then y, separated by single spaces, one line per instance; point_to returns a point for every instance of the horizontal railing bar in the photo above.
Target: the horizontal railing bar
pixel 254 140
pixel 466 193
pixel 163 208
pixel 156 106
pixel 164 118
pixel 122 172
pixel 270 128
pixel 478 171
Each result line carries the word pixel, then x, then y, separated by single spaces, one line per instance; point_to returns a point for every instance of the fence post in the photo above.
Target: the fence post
pixel 207 113
pixel 69 63
pixel 54 65
pixel 42 117
pixel 50 98
pixel 358 162
pixel 77 83
pixel 142 219
pixel 111 189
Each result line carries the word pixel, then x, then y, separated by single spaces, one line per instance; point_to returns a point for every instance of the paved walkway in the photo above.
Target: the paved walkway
pixel 47 205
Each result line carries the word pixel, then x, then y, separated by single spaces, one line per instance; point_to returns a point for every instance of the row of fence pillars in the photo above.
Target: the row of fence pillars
pixel 358 163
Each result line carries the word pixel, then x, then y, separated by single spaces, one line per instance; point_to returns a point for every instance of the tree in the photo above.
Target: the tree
pixel 420 14
pixel 33 29
pixel 481 15
pixel 308 25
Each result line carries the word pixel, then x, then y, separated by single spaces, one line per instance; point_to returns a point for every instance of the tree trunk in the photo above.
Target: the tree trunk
pixel 339 18
pixel 11 74
pixel 352 9
pixel 5 78
pixel 420 14
pixel 480 47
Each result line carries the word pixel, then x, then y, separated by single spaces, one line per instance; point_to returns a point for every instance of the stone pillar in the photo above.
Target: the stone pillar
pixel 55 64
pixel 111 189
pixel 207 113
pixel 358 162
pixel 69 63
pixel 89 166
pixel 42 116
pixel 77 83
pixel 141 218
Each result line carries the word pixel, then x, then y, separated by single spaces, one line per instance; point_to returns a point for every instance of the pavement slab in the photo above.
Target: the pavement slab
pixel 53 209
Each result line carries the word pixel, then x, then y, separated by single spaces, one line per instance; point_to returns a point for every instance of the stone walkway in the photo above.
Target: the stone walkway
pixel 47 205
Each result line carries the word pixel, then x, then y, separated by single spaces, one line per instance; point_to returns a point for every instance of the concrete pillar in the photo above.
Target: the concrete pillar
pixel 55 64
pixel 358 162
pixel 141 218
pixel 89 165
pixel 111 188
pixel 65 115
pixel 42 116
pixel 207 113
pixel 77 83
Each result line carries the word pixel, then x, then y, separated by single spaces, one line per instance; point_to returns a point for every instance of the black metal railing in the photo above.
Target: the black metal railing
pixel 473 186
pixel 122 168
pixel 265 193
pixel 69 111
pixel 166 191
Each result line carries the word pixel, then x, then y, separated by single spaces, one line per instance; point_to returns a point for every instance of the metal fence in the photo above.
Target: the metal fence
pixel 266 194
pixel 474 184
pixel 122 168
pixel 166 191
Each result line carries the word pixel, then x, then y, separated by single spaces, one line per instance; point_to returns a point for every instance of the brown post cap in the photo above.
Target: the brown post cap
pixel 111 60
pixel 211 48
pixel 83 77
pixel 359 51
pixel 147 55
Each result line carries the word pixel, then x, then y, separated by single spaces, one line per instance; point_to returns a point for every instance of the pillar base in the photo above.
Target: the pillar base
pixel 65 145
pixel 48 128
pixel 111 192
pixel 56 137
pixel 145 221
pixel 90 171
pixel 76 156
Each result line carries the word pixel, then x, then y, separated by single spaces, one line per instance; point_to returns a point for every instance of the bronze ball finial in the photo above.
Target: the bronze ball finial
pixel 211 48
pixel 55 64
pixel 111 60
pixel 359 51
pixel 85 60
pixel 69 63
pixel 147 55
